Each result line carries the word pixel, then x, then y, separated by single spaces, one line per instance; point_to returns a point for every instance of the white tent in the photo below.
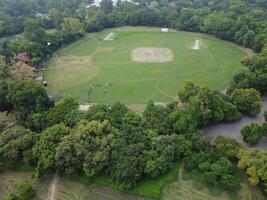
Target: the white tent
pixel 164 30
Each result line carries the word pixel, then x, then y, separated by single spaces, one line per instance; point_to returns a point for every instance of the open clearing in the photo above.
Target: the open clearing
pixel 164 62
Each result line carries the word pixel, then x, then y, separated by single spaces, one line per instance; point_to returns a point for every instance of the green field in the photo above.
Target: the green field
pixel 93 60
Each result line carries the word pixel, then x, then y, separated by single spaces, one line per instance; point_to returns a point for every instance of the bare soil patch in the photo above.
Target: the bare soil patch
pixel 149 54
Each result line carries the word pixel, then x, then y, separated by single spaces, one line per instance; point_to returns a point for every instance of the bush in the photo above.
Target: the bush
pixel 22 191
pixel 230 182
pixel 252 133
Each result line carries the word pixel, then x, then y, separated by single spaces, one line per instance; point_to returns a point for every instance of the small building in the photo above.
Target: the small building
pixel 24 57
pixel 164 30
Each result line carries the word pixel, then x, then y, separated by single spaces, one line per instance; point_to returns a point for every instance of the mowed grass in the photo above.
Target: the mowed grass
pixel 75 69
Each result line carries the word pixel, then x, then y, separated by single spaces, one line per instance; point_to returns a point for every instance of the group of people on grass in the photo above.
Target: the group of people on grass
pixel 98 85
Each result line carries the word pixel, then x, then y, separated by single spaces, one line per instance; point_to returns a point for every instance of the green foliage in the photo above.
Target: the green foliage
pixel 161 156
pixel 27 97
pixel 44 151
pixel 106 6
pixel 132 118
pixel 252 133
pixel 72 25
pixel 33 31
pixel 187 91
pixel 247 101
pixel 227 147
pixel 214 169
pixel 255 76
pixel 183 122
pixel 22 191
pixel 16 143
pixel 230 182
pixel 61 111
pixel 127 157
pixel 207 106
pixel 254 163
pixel 86 149
pixel 158 118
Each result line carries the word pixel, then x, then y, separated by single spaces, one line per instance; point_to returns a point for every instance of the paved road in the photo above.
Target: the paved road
pixel 233 129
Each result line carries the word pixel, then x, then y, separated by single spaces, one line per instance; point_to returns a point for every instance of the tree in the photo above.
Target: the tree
pixel 44 150
pixel 22 191
pixel 161 155
pixel 127 157
pixel 222 167
pixel 33 31
pixel 209 177
pixel 72 25
pixel 254 163
pixel 27 97
pixel 132 118
pixel 61 111
pixel 157 117
pixel 106 6
pixel 86 149
pixel 4 76
pixel 252 133
pixel 56 16
pixel 227 147
pixel 248 101
pixel 183 122
pixel 16 143
pixel 188 90
pixel 230 182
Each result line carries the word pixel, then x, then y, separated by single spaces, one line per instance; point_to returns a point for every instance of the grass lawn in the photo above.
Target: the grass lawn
pixel 93 60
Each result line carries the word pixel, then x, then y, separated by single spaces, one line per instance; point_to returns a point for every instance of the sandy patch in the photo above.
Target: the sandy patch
pixel 104 50
pixel 152 55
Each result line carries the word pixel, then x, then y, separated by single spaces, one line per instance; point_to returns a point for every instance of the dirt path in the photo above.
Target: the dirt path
pixel 53 188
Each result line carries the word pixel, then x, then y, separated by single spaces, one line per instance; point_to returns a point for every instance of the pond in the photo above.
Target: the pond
pixel 233 129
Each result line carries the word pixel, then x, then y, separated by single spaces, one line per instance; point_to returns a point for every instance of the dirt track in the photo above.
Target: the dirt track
pixel 53 188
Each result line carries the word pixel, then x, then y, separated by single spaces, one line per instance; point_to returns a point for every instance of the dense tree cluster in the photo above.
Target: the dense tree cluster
pixel 253 133
pixel 207 106
pixel 254 163
pixel 253 76
pixel 215 163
